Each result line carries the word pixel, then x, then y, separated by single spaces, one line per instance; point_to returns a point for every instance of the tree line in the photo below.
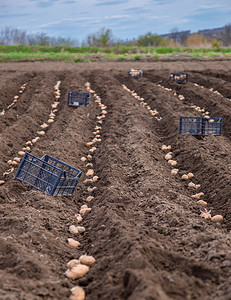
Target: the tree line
pixel 104 38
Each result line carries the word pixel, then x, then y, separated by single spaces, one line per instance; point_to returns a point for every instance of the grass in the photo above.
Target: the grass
pixel 118 53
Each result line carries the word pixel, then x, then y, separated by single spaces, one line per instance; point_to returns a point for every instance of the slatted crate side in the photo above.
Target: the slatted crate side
pixel 78 99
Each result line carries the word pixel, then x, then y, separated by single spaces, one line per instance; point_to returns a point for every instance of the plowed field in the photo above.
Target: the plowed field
pixel 144 229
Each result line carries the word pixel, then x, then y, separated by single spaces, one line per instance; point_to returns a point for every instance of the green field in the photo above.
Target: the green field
pixel 117 53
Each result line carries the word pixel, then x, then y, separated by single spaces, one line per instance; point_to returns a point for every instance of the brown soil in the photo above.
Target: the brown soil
pixel 144 229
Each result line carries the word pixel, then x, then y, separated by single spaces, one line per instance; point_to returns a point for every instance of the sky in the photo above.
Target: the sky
pixel 127 19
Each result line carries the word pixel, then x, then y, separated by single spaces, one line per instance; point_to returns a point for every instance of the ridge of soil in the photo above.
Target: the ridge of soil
pixel 144 229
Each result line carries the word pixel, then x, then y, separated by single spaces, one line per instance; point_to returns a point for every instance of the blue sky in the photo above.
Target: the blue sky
pixel 126 19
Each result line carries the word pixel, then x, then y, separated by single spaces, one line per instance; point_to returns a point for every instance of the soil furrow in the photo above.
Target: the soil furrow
pixel 144 230
pixel 124 210
pixel 218 84
pixel 215 160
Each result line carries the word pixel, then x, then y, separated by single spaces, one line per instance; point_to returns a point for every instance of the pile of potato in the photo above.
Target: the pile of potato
pixel 135 73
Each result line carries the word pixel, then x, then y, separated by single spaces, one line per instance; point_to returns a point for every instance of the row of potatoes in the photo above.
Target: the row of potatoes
pixel 77 268
pixel 153 113
pixel 180 97
pixel 211 90
pixel 29 144
pixel 205 113
pixel 205 213
pixel 15 100
pixel 191 185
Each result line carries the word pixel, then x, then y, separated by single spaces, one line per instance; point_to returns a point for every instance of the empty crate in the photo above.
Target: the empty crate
pixel 200 126
pixel 179 77
pixel 48 174
pixel 78 99
pixel 135 73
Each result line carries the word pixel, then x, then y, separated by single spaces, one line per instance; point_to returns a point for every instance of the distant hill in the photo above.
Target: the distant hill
pixel 213 33
pixel 180 36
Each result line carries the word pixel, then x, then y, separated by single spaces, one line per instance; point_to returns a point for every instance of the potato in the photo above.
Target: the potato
pixel 87 260
pixel 196 196
pixel 84 206
pixel 90 172
pixel 217 218
pixel 84 210
pixel 55 105
pixel 35 140
pixel 42 132
pixel 73 229
pixel 77 271
pixel 95 178
pixel 173 163
pixel 73 263
pixel 190 175
pixel 174 171
pixel 206 214
pixel 92 149
pixel 202 202
pixel 89 198
pixel 89 165
pixel 21 153
pixel 73 243
pixel 181 97
pixel 168 156
pixel 184 177
pixel 44 125
pixel 91 189
pixel 81 229
pixel 2 182
pixel 191 185
pixel 78 293
pixel 78 218
pixel 17 159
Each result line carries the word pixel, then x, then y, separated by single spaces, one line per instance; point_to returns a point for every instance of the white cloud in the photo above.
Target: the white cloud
pixel 212 6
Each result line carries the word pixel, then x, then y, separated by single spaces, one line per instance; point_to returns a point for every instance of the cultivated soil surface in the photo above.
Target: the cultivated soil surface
pixel 144 230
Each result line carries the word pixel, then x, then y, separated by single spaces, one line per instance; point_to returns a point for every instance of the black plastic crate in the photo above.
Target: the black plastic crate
pixel 179 77
pixel 48 174
pixel 135 73
pixel 78 99
pixel 200 126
